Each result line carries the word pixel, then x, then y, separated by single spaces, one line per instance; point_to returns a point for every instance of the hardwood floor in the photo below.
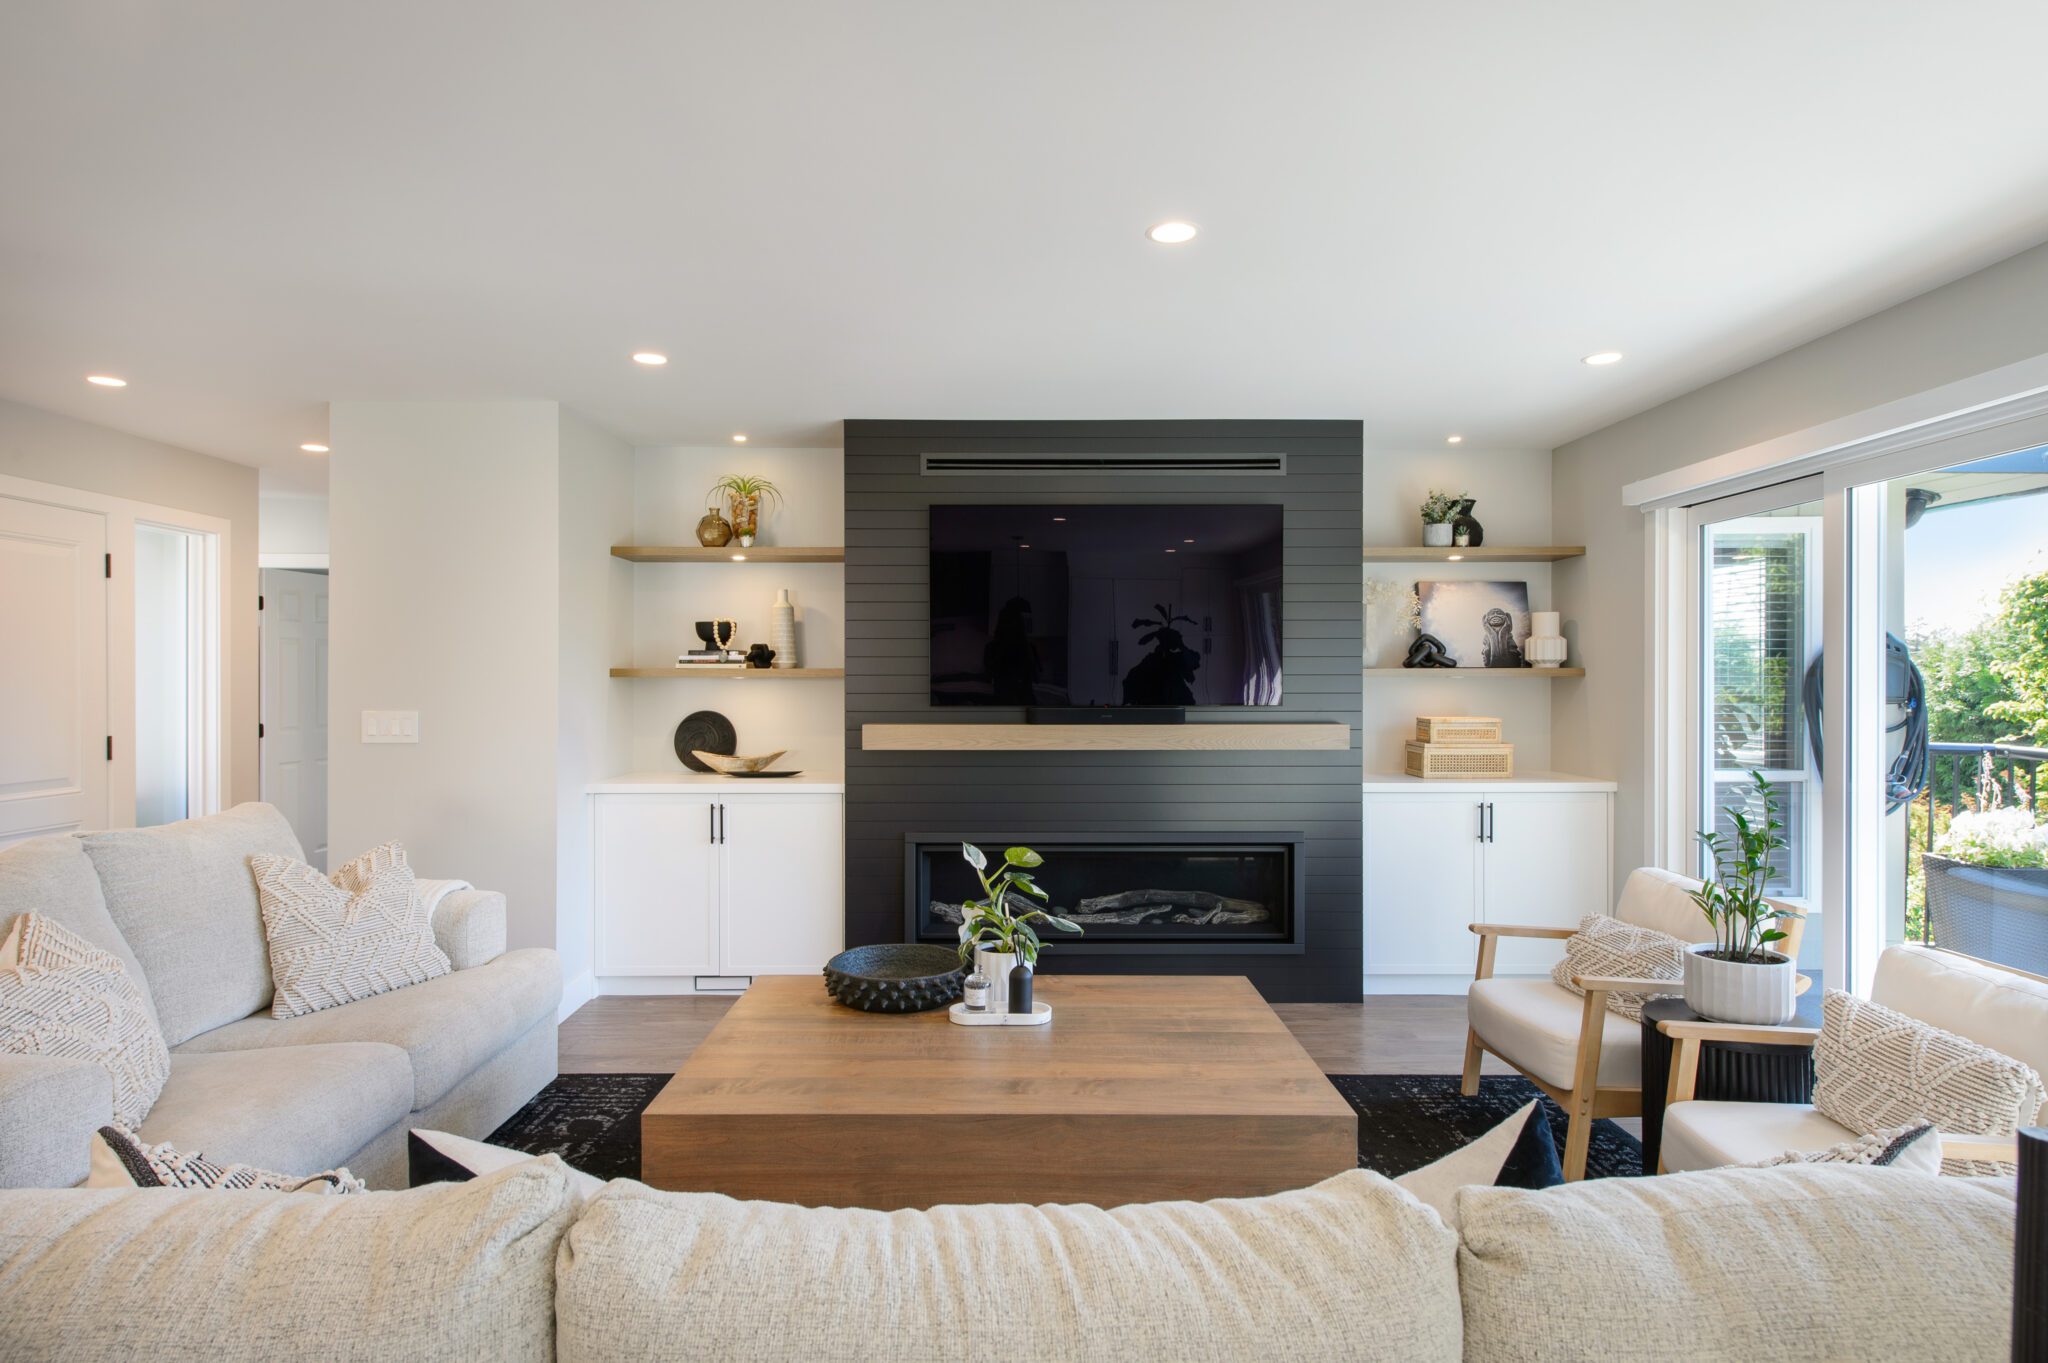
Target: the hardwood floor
pixel 1405 1034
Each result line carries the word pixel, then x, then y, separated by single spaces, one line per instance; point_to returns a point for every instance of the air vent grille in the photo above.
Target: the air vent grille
pixel 1121 465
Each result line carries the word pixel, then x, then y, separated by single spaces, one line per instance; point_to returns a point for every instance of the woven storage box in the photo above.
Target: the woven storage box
pixel 1461 761
pixel 1456 729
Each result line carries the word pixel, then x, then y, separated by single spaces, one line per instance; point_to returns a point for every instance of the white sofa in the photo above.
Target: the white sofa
pixel 2003 1009
pixel 177 904
pixel 1804 1262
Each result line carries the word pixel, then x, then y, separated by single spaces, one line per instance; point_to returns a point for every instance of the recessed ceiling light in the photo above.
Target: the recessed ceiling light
pixel 1187 541
pixel 739 558
pixel 1059 518
pixel 1173 551
pixel 649 357
pixel 1023 546
pixel 1603 357
pixel 106 380
pixel 739 437
pixel 1454 558
pixel 1172 233
pixel 1454 440
pixel 310 448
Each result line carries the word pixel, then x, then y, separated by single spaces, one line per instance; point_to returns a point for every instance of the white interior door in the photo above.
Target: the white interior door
pixel 53 670
pixel 1422 884
pixel 295 704
pixel 656 885
pixel 783 905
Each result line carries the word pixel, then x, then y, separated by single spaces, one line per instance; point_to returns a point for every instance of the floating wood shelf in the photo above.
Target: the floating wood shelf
pixel 697 553
pixel 735 673
pixel 1485 553
pixel 1105 737
pixel 1527 673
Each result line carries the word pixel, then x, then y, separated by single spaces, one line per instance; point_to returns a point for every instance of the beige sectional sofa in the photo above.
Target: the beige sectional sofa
pixel 178 906
pixel 1801 1262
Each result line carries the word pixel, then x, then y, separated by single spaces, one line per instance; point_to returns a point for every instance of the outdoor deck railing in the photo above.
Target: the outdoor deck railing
pixel 1953 771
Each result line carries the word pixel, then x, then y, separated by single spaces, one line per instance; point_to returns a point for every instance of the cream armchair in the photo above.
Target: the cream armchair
pixel 1992 1005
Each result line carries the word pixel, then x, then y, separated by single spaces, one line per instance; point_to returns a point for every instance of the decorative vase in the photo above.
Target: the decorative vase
pixel 1545 646
pixel 782 629
pixel 1464 529
pixel 1756 992
pixel 746 515
pixel 995 967
pixel 1020 987
pixel 714 531
pixel 1437 535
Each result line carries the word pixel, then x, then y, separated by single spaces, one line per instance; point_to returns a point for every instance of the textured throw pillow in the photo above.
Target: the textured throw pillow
pixel 121 1160
pixel 1875 1067
pixel 442 1157
pixel 62 996
pixel 1518 1153
pixel 1914 1147
pixel 1608 946
pixel 333 940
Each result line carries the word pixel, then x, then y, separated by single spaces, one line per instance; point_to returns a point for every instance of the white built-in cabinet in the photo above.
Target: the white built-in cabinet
pixel 1440 856
pixel 716 882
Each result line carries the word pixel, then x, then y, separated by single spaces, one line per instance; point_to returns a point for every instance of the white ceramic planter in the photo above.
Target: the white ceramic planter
pixel 1437 536
pixel 995 967
pixel 1740 991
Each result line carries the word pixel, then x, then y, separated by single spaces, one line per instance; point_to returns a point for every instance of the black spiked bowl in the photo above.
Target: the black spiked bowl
pixel 895 977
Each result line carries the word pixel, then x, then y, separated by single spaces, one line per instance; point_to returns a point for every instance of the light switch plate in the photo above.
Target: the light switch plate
pixel 391 726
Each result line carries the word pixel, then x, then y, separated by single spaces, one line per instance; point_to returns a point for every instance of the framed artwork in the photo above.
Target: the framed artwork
pixel 1482 624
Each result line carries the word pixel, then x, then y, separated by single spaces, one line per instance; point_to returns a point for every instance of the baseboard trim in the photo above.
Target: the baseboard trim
pixel 576 993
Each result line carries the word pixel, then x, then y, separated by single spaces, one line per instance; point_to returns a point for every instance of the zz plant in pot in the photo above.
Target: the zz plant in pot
pixel 1437 510
pixel 996 931
pixel 1738 977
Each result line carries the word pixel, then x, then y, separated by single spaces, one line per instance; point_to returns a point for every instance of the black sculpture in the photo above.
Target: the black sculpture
pixel 1428 651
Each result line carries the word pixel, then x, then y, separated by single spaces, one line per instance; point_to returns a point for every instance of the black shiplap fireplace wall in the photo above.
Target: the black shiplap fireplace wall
pixel 1031 795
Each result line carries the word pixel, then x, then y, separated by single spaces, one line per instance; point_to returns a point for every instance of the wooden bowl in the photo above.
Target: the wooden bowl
pixel 729 765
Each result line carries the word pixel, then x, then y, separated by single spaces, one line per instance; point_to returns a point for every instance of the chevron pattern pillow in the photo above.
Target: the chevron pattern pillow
pixel 1608 946
pixel 336 939
pixel 120 1159
pixel 62 996
pixel 1875 1067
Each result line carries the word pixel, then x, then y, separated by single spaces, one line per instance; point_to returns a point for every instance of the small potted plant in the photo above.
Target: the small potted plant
pixel 743 493
pixel 1438 509
pixel 1737 977
pixel 996 932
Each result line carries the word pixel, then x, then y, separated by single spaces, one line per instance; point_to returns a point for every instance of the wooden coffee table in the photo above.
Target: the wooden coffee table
pixel 1142 1088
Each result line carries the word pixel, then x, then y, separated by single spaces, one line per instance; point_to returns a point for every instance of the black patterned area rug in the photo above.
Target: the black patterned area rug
pixel 591 1120
pixel 1404 1121
pixel 1407 1120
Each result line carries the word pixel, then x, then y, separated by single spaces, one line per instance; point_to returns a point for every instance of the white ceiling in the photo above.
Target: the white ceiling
pixel 1420 214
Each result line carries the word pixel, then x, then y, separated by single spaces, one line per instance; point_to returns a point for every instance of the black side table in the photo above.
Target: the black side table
pixel 1730 1071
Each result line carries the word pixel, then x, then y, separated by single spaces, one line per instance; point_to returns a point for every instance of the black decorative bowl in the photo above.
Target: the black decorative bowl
pixel 895 977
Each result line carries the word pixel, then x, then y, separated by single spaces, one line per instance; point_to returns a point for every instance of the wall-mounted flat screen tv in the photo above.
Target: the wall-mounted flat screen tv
pixel 1106 605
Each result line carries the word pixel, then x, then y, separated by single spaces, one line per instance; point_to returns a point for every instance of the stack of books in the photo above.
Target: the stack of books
pixel 718 659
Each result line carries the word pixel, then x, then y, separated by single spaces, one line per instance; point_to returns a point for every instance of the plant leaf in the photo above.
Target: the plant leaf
pixel 974 856
pixel 1023 856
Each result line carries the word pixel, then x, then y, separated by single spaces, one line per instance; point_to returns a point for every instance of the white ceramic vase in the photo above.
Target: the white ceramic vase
pixel 1545 646
pixel 782 630
pixel 1437 536
pixel 1761 993
pixel 995 967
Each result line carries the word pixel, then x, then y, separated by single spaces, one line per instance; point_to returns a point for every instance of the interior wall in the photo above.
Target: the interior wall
pixel 77 454
pixel 807 718
pixel 293 523
pixel 595 481
pixel 445 533
pixel 1995 317
pixel 1512 488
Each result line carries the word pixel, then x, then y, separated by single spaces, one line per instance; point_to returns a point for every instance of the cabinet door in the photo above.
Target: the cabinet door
pixel 783 908
pixel 1421 884
pixel 656 885
pixel 1547 863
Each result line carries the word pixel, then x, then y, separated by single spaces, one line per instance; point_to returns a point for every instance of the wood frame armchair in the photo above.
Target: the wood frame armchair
pixel 1585 1101
pixel 1687 1037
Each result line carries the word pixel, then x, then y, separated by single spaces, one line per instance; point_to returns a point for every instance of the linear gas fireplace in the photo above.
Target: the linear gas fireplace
pixel 1222 892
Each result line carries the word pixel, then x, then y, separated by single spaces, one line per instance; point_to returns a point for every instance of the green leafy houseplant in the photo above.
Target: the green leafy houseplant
pixel 1733 896
pixel 1439 506
pixel 743 494
pixel 994 923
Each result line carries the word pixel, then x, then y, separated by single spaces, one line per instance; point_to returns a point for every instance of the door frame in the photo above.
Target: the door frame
pixel 214 628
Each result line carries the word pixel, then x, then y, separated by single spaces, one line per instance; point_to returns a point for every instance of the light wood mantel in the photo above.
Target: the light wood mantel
pixel 1105 737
